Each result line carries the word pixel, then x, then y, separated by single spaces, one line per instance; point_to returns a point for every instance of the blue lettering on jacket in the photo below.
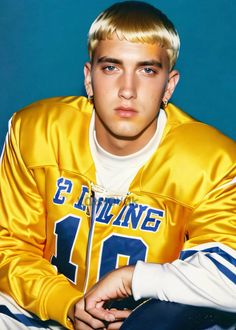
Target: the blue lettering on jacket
pixel 80 204
pixel 105 215
pixel 111 211
pixel 63 186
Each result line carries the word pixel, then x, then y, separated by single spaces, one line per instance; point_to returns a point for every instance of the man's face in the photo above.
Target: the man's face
pixel 128 81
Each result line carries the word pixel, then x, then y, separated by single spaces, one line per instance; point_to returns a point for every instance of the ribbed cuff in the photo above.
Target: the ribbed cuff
pixel 59 300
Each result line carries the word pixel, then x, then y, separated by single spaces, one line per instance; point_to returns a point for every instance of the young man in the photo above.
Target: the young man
pixel 122 180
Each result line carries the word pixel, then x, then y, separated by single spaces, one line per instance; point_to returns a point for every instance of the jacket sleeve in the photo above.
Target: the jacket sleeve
pixel 24 272
pixel 205 273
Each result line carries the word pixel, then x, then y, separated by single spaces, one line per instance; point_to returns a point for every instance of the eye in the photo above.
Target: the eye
pixel 149 71
pixel 109 68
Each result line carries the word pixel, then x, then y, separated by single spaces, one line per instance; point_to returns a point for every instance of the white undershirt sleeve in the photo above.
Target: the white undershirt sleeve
pixel 194 281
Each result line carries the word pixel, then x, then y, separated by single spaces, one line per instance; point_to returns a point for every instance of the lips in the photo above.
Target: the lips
pixel 125 112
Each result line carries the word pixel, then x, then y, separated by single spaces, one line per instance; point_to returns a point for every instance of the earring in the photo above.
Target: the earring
pixel 90 97
pixel 165 102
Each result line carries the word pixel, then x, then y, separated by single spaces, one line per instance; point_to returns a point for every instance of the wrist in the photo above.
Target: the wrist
pixel 127 276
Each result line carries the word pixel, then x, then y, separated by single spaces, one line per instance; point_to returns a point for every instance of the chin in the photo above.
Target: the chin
pixel 126 135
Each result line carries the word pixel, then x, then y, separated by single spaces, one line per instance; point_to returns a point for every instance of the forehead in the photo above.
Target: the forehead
pixel 130 52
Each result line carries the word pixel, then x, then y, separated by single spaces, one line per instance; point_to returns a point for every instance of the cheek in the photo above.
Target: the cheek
pixel 152 101
pixel 152 96
pixel 152 87
pixel 102 85
pixel 156 94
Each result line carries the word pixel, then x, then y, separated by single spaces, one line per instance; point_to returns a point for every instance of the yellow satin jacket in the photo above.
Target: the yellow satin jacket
pixel 56 239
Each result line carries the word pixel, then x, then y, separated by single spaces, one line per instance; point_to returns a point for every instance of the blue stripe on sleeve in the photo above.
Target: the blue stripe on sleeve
pixel 188 253
pixel 23 319
pixel 216 249
pixel 223 269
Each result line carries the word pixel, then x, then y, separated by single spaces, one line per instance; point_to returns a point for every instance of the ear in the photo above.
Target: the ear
pixel 88 79
pixel 172 83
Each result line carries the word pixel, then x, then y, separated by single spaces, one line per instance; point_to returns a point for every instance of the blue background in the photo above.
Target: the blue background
pixel 43 49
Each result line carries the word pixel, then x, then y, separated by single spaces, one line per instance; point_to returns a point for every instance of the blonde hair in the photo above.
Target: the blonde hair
pixel 135 21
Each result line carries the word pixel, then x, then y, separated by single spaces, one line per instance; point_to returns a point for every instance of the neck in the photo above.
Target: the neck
pixel 123 146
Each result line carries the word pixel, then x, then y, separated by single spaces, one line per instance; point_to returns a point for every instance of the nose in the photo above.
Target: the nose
pixel 127 84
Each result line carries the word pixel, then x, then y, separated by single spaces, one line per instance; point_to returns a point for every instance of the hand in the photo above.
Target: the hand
pixel 114 285
pixel 83 320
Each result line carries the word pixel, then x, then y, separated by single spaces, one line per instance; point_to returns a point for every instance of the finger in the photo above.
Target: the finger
pixel 102 314
pixel 79 325
pixel 84 319
pixel 99 304
pixel 120 314
pixel 114 325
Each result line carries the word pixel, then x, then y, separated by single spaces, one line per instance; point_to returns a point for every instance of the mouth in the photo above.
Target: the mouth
pixel 126 112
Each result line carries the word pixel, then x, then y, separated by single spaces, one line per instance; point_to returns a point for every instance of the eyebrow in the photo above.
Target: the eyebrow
pixel 105 59
pixel 150 63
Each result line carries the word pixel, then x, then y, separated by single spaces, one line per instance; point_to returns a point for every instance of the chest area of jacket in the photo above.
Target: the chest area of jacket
pixel 137 214
pixel 85 231
pixel 134 210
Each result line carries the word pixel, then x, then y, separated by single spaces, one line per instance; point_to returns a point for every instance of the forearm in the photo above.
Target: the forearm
pixel 35 285
pixel 195 281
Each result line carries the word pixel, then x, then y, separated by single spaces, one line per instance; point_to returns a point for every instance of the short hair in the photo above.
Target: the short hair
pixel 135 21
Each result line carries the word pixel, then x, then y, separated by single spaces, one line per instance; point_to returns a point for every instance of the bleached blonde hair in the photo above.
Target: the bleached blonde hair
pixel 135 21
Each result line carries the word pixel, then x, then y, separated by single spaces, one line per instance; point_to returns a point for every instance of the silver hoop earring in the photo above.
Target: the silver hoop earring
pixel 90 97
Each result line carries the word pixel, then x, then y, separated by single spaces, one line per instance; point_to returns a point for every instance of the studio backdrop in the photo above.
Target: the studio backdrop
pixel 43 49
